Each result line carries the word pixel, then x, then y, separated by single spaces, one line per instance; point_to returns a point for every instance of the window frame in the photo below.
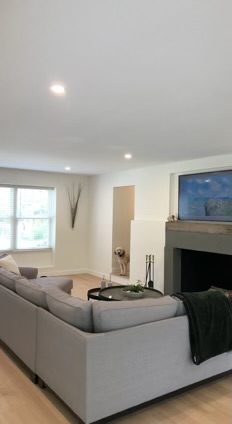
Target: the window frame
pixel 14 219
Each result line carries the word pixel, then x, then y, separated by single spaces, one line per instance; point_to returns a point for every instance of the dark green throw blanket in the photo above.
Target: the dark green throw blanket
pixel 210 323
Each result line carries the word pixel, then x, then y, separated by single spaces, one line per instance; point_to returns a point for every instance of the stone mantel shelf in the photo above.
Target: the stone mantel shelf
pixel 200 227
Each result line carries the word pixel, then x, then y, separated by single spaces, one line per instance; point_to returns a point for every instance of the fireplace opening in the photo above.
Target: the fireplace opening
pixel 201 270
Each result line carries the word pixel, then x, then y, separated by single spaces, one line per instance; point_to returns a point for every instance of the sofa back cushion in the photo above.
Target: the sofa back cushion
pixel 32 292
pixel 72 310
pixel 8 279
pixel 108 316
pixel 65 284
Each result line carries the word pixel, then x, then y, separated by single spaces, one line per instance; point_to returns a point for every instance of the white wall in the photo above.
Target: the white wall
pixel 153 203
pixel 70 252
pixel 147 238
pixel 88 247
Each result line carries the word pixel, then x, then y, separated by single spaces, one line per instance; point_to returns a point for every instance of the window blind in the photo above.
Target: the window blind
pixel 26 217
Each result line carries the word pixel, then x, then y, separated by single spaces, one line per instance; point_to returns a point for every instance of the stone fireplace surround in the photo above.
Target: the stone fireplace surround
pixel 197 255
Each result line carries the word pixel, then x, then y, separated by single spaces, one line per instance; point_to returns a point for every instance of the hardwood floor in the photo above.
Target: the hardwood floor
pixel 22 402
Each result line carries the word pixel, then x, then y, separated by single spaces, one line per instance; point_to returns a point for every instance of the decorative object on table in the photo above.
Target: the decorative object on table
pixel 134 290
pixel 149 271
pixel 74 194
pixel 172 218
pixel 103 282
pixel 110 282
pixel 123 259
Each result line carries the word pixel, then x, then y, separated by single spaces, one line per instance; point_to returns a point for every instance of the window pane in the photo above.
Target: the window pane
pixel 6 202
pixel 32 203
pixel 26 217
pixel 5 234
pixel 32 233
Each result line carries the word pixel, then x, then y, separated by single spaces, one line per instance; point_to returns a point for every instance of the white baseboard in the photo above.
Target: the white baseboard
pixel 124 280
pixel 50 271
pixel 98 274
pixel 120 279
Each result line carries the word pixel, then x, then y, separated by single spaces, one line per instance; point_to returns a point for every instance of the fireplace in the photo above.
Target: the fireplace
pixel 197 256
pixel 201 270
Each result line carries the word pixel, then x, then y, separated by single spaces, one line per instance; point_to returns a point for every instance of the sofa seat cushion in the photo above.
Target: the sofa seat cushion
pixel 8 279
pixel 70 309
pixel 32 292
pixel 108 316
pixel 64 284
pixel 9 264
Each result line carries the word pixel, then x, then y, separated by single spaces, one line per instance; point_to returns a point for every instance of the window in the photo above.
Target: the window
pixel 26 217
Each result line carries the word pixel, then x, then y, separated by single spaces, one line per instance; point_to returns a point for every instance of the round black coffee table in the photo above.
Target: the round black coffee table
pixel 116 293
pixel 94 293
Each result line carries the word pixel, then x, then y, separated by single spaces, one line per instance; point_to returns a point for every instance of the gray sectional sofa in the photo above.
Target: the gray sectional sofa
pixel 101 358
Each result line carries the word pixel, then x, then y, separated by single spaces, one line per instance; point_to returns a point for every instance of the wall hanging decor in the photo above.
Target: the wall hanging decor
pixel 74 193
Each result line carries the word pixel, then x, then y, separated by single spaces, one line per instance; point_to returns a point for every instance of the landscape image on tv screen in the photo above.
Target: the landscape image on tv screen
pixel 205 197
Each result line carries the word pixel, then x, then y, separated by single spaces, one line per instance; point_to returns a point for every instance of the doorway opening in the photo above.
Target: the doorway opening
pixel 123 214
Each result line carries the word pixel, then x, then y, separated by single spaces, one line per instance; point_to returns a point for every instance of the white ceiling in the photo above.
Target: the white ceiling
pixel 150 77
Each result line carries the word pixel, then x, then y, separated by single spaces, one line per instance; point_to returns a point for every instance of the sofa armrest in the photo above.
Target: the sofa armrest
pixel 28 272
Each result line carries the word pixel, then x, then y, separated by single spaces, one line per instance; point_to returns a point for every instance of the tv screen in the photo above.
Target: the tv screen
pixel 205 197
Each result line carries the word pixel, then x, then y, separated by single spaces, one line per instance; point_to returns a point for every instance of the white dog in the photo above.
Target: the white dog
pixel 123 259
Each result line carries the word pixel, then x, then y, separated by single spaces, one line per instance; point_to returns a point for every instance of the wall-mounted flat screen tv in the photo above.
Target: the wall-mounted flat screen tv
pixel 206 196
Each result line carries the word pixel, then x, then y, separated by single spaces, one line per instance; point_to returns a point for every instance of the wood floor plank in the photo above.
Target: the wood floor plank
pixel 22 402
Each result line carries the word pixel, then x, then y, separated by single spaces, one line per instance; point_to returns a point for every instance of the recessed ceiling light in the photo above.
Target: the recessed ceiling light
pixel 67 168
pixel 128 156
pixel 58 89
